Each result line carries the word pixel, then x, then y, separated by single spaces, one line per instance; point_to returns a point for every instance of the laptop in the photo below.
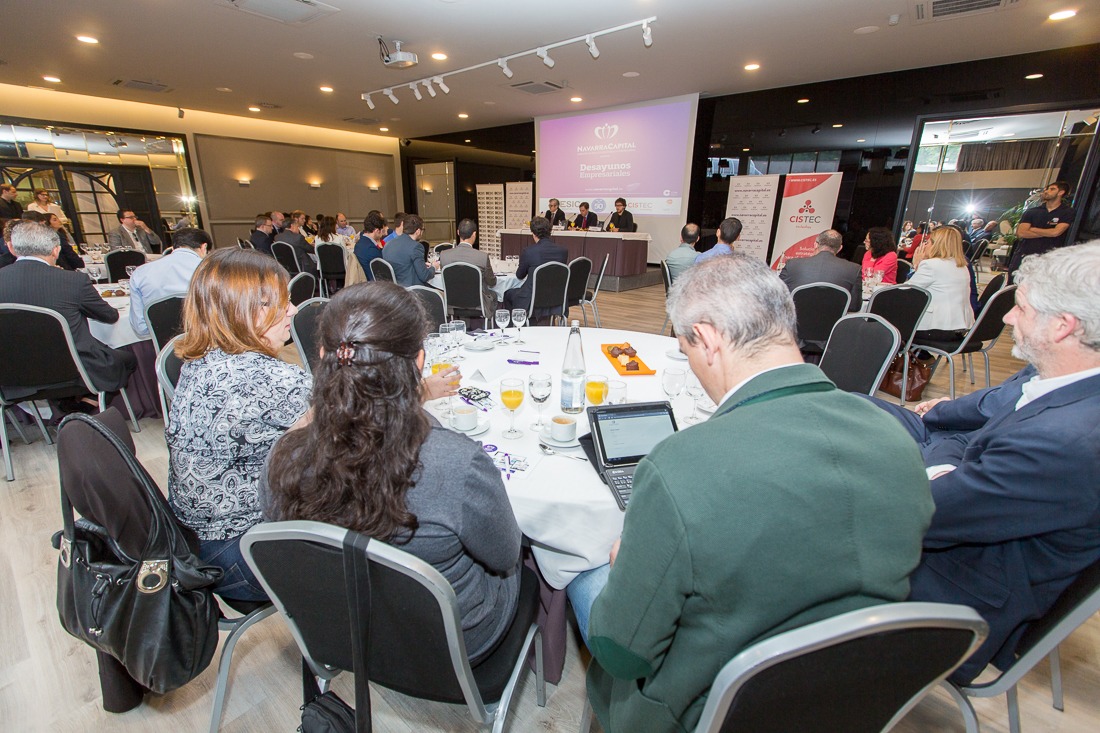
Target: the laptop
pixel 622 435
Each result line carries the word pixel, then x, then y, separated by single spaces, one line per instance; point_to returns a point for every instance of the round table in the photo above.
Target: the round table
pixel 142 387
pixel 561 504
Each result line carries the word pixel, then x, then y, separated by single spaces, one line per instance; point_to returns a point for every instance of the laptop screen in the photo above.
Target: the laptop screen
pixel 627 434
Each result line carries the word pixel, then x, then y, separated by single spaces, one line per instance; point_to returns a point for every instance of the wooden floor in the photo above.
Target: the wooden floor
pixel 48 680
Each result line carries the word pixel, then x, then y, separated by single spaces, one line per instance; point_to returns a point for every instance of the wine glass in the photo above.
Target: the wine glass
pixel 130 271
pixel 511 395
pixel 595 388
pixel 502 317
pixel 519 317
pixel 672 382
pixel 695 391
pixel 445 330
pixel 458 335
pixel 96 273
pixel 539 385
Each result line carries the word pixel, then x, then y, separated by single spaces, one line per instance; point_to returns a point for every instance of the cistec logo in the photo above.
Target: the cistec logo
pixel 808 208
pixel 806 214
pixel 606 131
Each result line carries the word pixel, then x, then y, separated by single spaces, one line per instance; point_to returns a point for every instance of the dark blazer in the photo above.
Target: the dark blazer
pixel 301 248
pixel 825 267
pixel 365 251
pixel 590 221
pixel 622 222
pixel 261 241
pixel 67 258
pixel 407 257
pixel 540 253
pixel 71 294
pixel 555 219
pixel 1019 517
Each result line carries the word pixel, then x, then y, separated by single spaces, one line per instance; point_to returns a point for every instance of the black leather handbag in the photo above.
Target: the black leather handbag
pixel 155 613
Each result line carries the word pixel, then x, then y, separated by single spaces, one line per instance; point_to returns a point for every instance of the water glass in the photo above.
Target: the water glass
pixel 539 387
pixel 511 396
pixel 616 392
pixel 445 330
pixel 519 317
pixel 458 336
pixel 502 317
pixel 432 349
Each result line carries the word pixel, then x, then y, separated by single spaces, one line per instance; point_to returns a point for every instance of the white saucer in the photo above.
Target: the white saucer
pixel 482 426
pixel 544 436
pixel 484 345
pixel 676 354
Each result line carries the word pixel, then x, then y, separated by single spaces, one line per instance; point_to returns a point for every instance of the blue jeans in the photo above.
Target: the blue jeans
pixel 582 594
pixel 237 583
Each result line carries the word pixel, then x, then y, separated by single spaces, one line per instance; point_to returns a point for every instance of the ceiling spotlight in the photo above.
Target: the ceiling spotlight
pixel 55 80
pixel 1034 76
pixel 416 91
pixel 861 140
pixel 592 47
pixel 503 64
pixel 838 125
pixel 383 129
pixel 439 56
pixel 393 97
pixel 542 54
pixel 462 115
pixel 647 34
pixel 87 39
pixel 752 67
pixel 326 90
pixel 366 98
pixel 439 83
pixel 1062 15
pixel 817 129
pixel 804 100
pixel 575 99
pixel 744 150
pixel 428 85
pixel 253 109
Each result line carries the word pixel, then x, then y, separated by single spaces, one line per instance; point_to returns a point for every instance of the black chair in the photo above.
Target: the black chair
pixel 39 361
pixel 302 287
pixel 165 319
pixel 977 251
pixel 995 283
pixel 244 243
pixel 463 284
pixel 549 281
pixel 330 265
pixel 168 374
pixel 409 630
pixel 981 337
pixel 860 349
pixel 435 306
pixel 818 306
pixel 167 251
pixel 579 271
pixel 118 260
pixel 905 270
pixel 284 254
pixel 859 672
pixel 902 306
pixel 590 296
pixel 439 248
pixel 382 271
pixel 666 278
pixel 1077 604
pixel 303 331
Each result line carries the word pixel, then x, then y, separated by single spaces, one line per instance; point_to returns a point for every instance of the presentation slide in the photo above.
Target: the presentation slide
pixel 640 153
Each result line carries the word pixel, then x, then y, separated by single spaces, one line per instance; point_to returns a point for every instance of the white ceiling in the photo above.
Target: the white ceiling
pixel 195 46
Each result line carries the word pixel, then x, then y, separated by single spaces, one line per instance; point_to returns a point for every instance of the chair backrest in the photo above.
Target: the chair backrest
pixel 330 259
pixel 434 305
pixel 978 250
pixel 599 278
pixel 666 277
pixel 382 270
pixel 37 350
pixel 818 306
pixel 167 250
pixel 165 318
pixel 990 322
pixel 905 269
pixel 118 260
pixel 285 256
pixel 579 271
pixel 902 306
pixel 995 283
pixel 244 243
pixel 302 286
pixel 168 371
pixel 304 328
pixel 550 280
pixel 859 672
pixel 443 247
pixel 860 349
pixel 415 631
pixel 463 285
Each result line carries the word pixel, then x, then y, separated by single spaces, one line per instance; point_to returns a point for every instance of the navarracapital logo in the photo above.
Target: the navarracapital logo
pixel 606 131
pixel 806 214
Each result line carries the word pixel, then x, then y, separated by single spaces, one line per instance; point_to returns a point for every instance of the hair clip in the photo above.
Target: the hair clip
pixel 345 354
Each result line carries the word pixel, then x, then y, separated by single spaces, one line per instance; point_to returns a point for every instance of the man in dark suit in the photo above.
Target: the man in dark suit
pixel 133 232
pixel 554 214
pixel 9 207
pixel 586 219
pixel 544 250
pixel 823 266
pixel 1014 467
pixel 622 220
pixel 292 235
pixel 263 235
pixel 464 251
pixel 34 280
pixel 406 255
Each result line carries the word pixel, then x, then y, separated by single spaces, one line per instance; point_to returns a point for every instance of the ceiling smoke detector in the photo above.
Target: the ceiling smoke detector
pixel 397 59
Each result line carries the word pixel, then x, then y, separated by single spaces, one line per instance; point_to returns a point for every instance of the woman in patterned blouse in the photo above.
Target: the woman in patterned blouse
pixel 234 399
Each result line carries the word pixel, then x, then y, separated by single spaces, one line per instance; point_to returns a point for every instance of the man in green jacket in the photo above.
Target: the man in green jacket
pixel 795 502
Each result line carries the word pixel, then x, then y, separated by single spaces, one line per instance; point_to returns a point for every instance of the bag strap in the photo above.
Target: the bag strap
pixel 357 584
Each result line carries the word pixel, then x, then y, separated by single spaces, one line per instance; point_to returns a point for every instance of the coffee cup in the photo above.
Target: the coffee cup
pixel 563 429
pixel 464 417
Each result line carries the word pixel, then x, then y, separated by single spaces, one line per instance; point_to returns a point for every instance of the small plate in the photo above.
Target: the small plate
pixel 676 354
pixel 482 426
pixel 484 345
pixel 707 406
pixel 544 436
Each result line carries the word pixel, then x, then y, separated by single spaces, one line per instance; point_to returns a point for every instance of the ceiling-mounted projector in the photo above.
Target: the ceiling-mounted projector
pixel 398 59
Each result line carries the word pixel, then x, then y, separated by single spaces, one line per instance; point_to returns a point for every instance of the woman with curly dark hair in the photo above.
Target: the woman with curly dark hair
pixel 881 255
pixel 372 460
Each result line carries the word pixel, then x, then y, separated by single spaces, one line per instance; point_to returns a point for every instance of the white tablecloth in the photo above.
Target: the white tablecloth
pixel 120 333
pixel 561 504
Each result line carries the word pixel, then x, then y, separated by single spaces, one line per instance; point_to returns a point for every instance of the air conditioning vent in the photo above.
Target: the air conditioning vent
pixel 142 85
pixel 926 11
pixel 968 97
pixel 269 105
pixel 362 120
pixel 538 87
pixel 295 12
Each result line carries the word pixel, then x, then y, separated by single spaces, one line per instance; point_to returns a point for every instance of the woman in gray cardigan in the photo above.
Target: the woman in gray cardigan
pixel 372 460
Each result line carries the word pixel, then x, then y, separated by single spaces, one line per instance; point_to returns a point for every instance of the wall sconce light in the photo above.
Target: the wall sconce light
pixel 428 191
pixel 314 184
pixel 372 189
pixel 244 182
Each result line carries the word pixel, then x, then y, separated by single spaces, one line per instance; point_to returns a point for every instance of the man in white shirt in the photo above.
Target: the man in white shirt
pixel 133 232
pixel 1014 468
pixel 464 251
pixel 683 256
pixel 170 275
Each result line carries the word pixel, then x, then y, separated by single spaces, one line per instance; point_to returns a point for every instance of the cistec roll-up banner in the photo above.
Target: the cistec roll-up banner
pixel 809 202
pixel 752 201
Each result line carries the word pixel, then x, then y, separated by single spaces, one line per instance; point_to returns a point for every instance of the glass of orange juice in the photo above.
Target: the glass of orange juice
pixel 595 388
pixel 439 365
pixel 511 395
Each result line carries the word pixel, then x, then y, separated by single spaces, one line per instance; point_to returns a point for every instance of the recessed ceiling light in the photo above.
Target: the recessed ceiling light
pixel 861 140
pixel 752 67
pixel 87 39
pixel 489 104
pixel 51 79
pixel 326 90
pixel 865 29
pixel 222 89
pixel 1062 14
pixel 462 115
pixel 744 150
pixel 631 74
pixel 467 140
pixel 838 125
pixel 383 129
pixel 253 109
pixel 1009 134
pixel 1034 76
pixel 438 56
pixel 303 55
pixel 575 99
pixel 804 100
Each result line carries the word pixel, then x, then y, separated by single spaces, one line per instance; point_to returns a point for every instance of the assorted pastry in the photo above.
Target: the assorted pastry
pixel 625 354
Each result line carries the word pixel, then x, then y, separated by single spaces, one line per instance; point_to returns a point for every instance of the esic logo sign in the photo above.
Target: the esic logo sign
pixel 606 132
pixel 805 214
